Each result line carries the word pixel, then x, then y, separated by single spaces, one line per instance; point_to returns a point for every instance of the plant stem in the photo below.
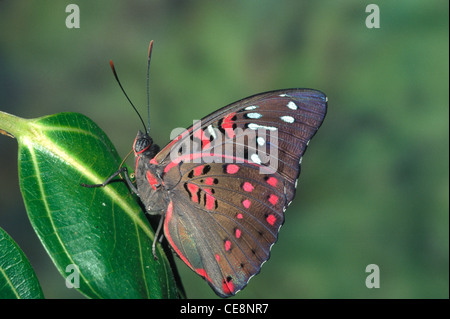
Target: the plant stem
pixel 11 125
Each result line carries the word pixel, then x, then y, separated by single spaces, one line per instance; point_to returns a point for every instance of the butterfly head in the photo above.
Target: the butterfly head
pixel 143 145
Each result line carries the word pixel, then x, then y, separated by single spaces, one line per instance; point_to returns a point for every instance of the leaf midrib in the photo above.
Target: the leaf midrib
pixel 8 281
pixel 44 143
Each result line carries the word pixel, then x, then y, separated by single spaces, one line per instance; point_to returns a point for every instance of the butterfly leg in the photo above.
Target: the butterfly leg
pixel 110 179
pixel 157 234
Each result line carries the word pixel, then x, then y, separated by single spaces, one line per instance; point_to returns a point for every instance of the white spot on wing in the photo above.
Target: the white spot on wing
pixel 254 115
pixel 261 141
pixel 254 126
pixel 251 107
pixel 255 158
pixel 211 131
pixel 283 95
pixel 287 119
pixel 292 105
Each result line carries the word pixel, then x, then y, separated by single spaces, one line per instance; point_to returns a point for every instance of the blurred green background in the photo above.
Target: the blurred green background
pixel 375 180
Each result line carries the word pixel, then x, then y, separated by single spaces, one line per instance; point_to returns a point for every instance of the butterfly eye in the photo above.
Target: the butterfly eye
pixel 141 145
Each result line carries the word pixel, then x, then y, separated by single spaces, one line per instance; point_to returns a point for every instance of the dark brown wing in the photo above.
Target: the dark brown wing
pixel 231 177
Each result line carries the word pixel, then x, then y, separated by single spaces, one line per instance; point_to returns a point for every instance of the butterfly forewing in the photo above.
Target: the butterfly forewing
pixel 230 178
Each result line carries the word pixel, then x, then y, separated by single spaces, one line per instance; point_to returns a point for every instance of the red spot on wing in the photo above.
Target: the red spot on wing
pixel 247 187
pixel 198 170
pixel 271 219
pixel 238 233
pixel 193 189
pixel 228 287
pixel 239 216
pixel 153 161
pixel 209 181
pixel 217 257
pixel 210 200
pixel 272 181
pixel 273 199
pixel 232 169
pixel 246 203
pixel 202 272
pixel 227 245
pixel 227 124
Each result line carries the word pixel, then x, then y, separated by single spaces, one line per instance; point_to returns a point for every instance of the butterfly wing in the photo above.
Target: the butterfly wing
pixel 227 200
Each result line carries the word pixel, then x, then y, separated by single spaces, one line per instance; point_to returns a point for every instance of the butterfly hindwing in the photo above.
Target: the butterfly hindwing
pixel 236 212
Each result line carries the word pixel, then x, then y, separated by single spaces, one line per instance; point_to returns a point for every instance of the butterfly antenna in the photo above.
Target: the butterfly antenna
pixel 148 83
pixel 117 79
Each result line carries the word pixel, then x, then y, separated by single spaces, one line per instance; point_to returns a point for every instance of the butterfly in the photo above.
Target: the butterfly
pixel 223 185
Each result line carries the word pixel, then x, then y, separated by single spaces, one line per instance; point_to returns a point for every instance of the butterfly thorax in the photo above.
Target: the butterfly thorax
pixel 148 175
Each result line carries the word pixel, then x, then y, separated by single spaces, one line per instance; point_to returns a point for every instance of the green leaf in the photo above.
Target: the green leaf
pixel 102 231
pixel 17 278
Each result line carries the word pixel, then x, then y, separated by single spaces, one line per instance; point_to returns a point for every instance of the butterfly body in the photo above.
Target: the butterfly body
pixel 149 184
pixel 223 185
